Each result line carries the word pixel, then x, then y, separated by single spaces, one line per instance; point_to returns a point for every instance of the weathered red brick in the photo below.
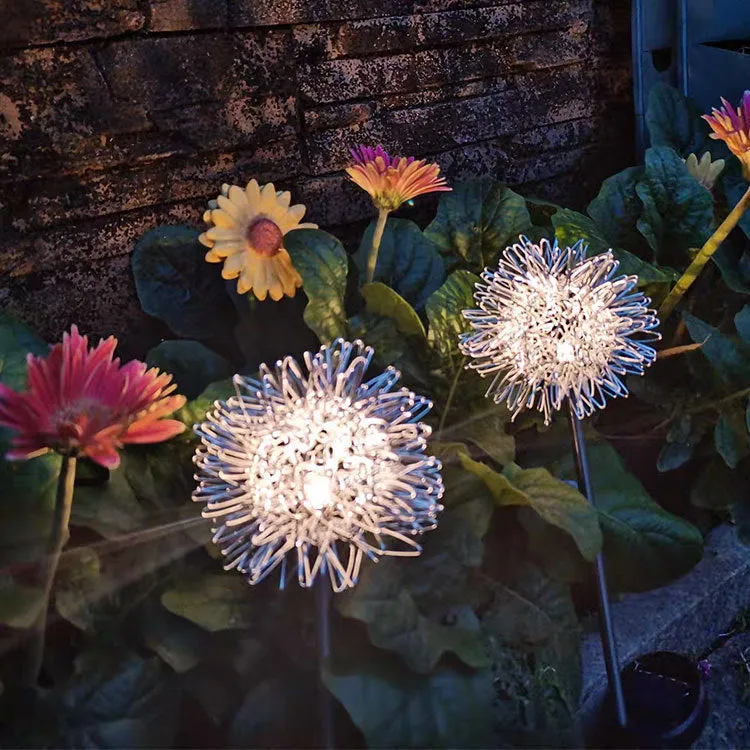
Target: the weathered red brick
pixel 186 15
pixel 27 22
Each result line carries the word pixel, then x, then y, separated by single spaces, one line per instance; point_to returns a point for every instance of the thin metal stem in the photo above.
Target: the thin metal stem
pixel 323 627
pixel 606 629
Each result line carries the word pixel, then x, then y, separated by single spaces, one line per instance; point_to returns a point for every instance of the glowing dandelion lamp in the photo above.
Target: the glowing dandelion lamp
pixel 315 465
pixel 553 326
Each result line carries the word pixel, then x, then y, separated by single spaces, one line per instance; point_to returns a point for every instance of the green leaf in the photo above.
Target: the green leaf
pixel 16 342
pixel 382 300
pixel 322 263
pixel 176 284
pixel 477 220
pixel 731 437
pixel 396 624
pixel 444 313
pixel 27 503
pixel 734 185
pixel 733 260
pixel 486 430
pixel 81 588
pixel 553 500
pixel 178 642
pixel 217 601
pixel 407 260
pixel 616 211
pixel 673 121
pixel 729 356
pixel 193 365
pixel 677 210
pixel 742 323
pixel 109 702
pixel 110 508
pixel 393 707
pixel 570 226
pixel 195 411
pixel 683 438
pixel 645 546
pixel 20 605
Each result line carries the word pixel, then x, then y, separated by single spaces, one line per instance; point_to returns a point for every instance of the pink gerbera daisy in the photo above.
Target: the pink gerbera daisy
pixel 393 180
pixel 81 402
pixel 733 127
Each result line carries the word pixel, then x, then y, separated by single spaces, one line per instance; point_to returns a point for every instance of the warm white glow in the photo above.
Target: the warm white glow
pixel 318 463
pixel 553 324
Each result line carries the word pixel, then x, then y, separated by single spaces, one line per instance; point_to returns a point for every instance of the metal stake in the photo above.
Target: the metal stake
pixel 606 629
pixel 323 627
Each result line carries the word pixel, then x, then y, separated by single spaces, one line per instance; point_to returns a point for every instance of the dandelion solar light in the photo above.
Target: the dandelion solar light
pixel 553 324
pixel 319 464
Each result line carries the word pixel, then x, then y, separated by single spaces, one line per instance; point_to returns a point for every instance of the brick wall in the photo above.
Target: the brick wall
pixel 116 115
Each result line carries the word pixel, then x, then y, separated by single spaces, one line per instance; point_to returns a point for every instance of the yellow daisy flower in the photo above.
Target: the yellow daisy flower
pixel 247 233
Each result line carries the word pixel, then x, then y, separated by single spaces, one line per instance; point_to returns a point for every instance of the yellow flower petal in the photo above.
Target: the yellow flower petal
pixel 253 195
pixel 222 219
pixel 204 239
pixel 233 266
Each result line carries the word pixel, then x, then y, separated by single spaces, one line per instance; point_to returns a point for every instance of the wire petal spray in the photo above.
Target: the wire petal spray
pixel 553 324
pixel 319 463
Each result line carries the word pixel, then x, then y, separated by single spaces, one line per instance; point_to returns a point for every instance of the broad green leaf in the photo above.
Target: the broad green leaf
pixel 742 323
pixel 729 356
pixel 109 702
pixel 444 313
pixel 486 430
pixel 553 500
pixel 322 263
pixel 683 438
pixel 382 300
pixel 673 121
pixel 193 365
pixel 16 342
pixel 645 546
pixel 677 210
pixel 477 221
pixel 178 642
pixel 195 411
pixel 731 437
pixel 176 284
pixel 81 589
pixel 20 605
pixel 393 707
pixel 419 607
pixel 570 226
pixel 27 503
pixel 110 508
pixel 407 260
pixel 616 211
pixel 263 718
pixel 733 260
pixel 720 488
pixel 395 623
pixel 217 601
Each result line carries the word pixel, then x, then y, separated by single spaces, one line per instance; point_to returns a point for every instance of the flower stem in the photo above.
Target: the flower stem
pixel 377 236
pixel 703 256
pixel 449 400
pixel 48 568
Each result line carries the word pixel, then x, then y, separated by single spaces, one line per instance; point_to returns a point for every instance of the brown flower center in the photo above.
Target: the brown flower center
pixel 265 237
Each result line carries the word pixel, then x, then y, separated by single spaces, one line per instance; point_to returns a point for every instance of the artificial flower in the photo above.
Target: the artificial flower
pixel 247 233
pixel 733 127
pixel 705 170
pixel 80 402
pixel 318 466
pixel 393 180
pixel 552 325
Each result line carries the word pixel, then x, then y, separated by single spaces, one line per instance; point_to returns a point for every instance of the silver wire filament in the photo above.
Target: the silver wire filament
pixel 319 464
pixel 553 324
